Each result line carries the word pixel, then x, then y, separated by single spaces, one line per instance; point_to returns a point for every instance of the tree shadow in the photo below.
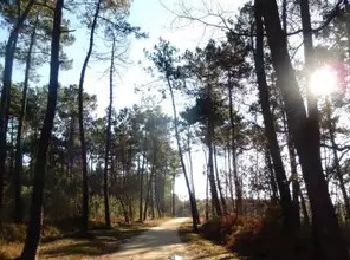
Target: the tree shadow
pixel 110 241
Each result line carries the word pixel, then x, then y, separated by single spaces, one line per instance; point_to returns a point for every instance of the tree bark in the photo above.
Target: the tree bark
pixel 303 206
pixel 174 177
pixel 222 198
pixel 294 177
pixel 238 191
pixel 6 92
pixel 274 188
pixel 147 197
pixel 34 225
pixel 331 129
pixel 192 199
pixel 17 214
pixel 230 181
pixel 85 213
pixel 108 143
pixel 328 241
pixel 141 185
pixel 211 176
pixel 191 170
pixel 290 219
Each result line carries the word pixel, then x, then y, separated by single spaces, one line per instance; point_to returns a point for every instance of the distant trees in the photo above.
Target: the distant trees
pixel 165 61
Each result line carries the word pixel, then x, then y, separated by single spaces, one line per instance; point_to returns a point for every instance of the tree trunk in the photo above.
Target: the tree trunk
pixel 274 188
pixel 207 198
pixel 147 197
pixel 238 190
pixel 303 206
pixel 141 185
pixel 17 214
pixel 85 213
pixel 174 177
pixel 294 177
pixel 210 143
pixel 290 219
pixel 305 132
pixel 34 225
pixel 191 170
pixel 230 181
pixel 211 177
pixel 151 176
pixel 222 198
pixel 6 92
pixel 332 128
pixel 108 143
pixel 192 199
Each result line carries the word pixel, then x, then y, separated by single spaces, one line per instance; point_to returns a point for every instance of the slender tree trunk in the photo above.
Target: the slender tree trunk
pixel 294 172
pixel 274 188
pixel 147 198
pixel 141 185
pixel 222 198
pixel 332 128
pixel 191 175
pixel 238 190
pixel 108 143
pixel 211 176
pixel 272 142
pixel 34 225
pixel 18 161
pixel 195 215
pixel 149 186
pixel 85 213
pixel 153 215
pixel 305 132
pixel 230 176
pixel 174 177
pixel 303 206
pixel 210 143
pixel 294 177
pixel 6 93
pixel 207 198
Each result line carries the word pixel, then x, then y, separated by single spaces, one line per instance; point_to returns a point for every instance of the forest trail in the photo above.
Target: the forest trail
pixel 162 242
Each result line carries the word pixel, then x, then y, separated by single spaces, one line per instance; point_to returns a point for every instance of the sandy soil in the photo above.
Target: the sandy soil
pixel 162 242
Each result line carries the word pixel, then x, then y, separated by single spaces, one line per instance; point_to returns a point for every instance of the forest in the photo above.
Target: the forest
pixel 237 148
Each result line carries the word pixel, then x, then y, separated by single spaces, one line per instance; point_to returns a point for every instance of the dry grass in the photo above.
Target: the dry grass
pixel 55 245
pixel 200 248
pixel 258 237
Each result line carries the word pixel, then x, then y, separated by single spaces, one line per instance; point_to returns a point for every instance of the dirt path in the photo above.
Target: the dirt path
pixel 161 242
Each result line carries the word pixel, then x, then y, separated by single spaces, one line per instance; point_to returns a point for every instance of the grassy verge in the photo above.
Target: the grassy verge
pixel 98 241
pixel 258 237
pixel 201 248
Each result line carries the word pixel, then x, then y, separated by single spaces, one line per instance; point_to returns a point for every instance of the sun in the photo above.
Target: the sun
pixel 323 81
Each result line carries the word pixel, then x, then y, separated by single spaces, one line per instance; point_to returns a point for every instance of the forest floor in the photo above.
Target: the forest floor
pixel 197 247
pixel 55 245
pixel 165 239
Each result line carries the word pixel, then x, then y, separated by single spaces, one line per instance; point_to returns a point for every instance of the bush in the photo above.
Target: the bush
pixel 258 237
pixel 12 232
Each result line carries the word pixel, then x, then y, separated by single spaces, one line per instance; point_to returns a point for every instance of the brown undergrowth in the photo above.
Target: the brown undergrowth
pixel 258 237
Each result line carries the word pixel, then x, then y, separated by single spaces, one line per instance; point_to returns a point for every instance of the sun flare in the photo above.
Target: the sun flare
pixel 323 81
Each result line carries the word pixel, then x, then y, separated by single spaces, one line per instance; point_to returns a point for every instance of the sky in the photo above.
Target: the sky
pixel 157 19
